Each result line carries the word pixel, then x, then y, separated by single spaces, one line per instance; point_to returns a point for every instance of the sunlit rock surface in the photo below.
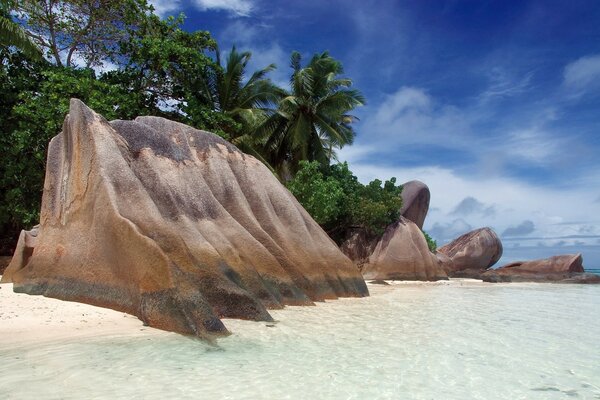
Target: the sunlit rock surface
pixel 472 253
pixel 402 254
pixel 175 226
pixel 566 268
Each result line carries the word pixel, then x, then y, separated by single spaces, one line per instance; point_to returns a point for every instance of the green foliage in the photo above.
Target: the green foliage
pixel 322 197
pixel 240 104
pixel 34 100
pixel 12 34
pixel 335 198
pixel 313 118
pixel 80 30
pixel 432 244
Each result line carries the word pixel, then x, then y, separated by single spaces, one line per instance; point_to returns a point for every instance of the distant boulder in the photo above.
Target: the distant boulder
pixel 566 268
pixel 174 225
pixel 474 251
pixel 415 202
pixel 402 254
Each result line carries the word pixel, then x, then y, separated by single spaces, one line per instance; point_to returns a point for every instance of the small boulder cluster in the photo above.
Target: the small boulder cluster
pixel 401 253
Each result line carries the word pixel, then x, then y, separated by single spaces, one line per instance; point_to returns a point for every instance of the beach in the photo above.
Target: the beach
pixel 36 319
pixel 412 340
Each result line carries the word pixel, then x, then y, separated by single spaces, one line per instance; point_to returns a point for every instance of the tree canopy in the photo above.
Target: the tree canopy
pixel 12 34
pixel 335 198
pixel 313 117
pixel 123 61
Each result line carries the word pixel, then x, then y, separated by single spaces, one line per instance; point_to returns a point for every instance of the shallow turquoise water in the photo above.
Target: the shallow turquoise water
pixel 437 341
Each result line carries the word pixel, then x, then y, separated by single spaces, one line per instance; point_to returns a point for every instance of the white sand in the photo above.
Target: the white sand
pixel 25 318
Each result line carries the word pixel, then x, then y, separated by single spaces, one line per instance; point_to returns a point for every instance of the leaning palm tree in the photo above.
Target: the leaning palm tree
pixel 245 101
pixel 12 34
pixel 313 118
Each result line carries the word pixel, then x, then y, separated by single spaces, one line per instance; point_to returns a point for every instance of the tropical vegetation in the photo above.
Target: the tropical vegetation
pixel 313 117
pixel 123 60
pixel 340 203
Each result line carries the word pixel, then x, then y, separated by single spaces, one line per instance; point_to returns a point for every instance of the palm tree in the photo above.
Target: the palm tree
pixel 12 34
pixel 246 102
pixel 313 118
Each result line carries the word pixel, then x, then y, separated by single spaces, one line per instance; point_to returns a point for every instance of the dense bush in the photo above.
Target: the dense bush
pixel 335 198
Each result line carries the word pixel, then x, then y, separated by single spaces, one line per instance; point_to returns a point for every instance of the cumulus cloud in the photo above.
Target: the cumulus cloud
pixel 470 205
pixel 445 232
pixel 524 228
pixel 166 7
pixel 411 116
pixel 583 73
pixel 238 7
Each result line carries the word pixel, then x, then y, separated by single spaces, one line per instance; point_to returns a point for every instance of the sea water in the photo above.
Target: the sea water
pixel 456 340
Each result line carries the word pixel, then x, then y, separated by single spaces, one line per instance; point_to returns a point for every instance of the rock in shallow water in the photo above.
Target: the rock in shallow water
pixel 175 226
pixel 475 250
pixel 564 268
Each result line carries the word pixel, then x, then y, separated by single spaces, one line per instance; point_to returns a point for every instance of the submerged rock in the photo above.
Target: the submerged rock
pixel 564 268
pixel 474 251
pixel 402 254
pixel 173 225
pixel 415 202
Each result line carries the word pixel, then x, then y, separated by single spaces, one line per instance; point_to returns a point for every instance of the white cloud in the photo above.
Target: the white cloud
pixel 548 209
pixel 534 145
pixel 583 74
pixel 246 37
pixel 238 7
pixel 470 205
pixel 411 116
pixel 164 8
pixel 503 85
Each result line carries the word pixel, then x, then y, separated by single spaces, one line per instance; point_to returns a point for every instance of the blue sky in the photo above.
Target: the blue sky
pixel 495 105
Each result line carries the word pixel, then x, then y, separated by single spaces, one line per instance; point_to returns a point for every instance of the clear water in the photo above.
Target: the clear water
pixel 438 341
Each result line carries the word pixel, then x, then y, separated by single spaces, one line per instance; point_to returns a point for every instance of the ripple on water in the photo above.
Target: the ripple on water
pixel 406 341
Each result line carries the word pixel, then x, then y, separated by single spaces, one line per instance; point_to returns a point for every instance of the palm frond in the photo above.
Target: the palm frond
pixel 12 34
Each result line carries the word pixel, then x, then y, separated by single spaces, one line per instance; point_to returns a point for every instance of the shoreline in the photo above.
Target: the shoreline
pixel 27 319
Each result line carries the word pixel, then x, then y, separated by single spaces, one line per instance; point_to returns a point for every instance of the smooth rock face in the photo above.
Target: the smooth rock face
pixel 175 226
pixel 415 202
pixel 476 250
pixel 358 247
pixel 564 268
pixel 25 245
pixel 402 254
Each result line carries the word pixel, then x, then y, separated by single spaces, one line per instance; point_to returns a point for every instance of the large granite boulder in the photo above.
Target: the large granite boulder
pixel 402 254
pixel 415 202
pixel 564 268
pixel 175 226
pixel 359 246
pixel 472 253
